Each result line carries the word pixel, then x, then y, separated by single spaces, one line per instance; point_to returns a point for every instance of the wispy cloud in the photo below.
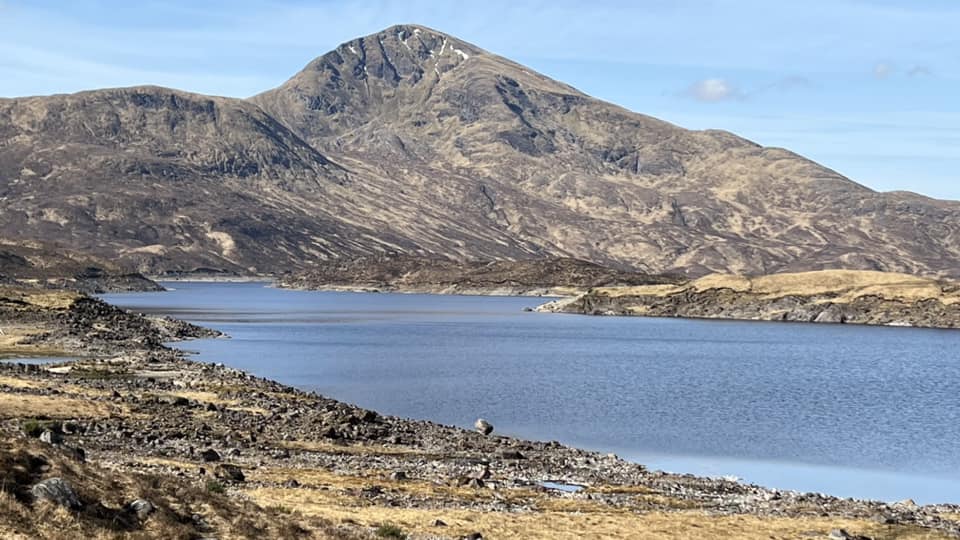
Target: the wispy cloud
pixel 713 90
pixel 920 71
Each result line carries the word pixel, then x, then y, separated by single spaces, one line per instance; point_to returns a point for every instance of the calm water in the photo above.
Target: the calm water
pixel 850 411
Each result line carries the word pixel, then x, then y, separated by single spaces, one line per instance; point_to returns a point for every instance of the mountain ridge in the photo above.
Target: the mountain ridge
pixel 413 142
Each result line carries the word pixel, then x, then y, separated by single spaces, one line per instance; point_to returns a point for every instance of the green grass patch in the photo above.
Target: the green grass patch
pixel 389 530
pixel 215 487
pixel 33 427
pixel 90 373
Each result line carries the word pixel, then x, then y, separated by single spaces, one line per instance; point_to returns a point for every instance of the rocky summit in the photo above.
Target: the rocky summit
pixel 412 142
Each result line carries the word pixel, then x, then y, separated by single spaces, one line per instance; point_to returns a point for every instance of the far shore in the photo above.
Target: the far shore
pixel 212 279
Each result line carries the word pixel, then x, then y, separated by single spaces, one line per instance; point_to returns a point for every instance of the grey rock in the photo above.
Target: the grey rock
pixel 281 453
pixel 832 314
pixel 78 454
pixel 475 483
pixel 232 473
pixel 483 427
pixel 210 455
pixel 58 491
pixel 481 474
pixel 51 437
pixel 142 508
pixel 909 504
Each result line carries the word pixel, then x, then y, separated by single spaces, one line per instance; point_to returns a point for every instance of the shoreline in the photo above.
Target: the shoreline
pixel 831 296
pixel 445 290
pixel 594 473
pixel 213 279
pixel 141 408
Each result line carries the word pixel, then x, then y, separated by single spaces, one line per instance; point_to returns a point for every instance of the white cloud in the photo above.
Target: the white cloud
pixel 883 70
pixel 920 71
pixel 713 90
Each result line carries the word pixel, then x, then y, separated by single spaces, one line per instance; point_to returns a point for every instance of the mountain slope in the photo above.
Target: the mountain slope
pixel 586 178
pixel 411 141
pixel 162 178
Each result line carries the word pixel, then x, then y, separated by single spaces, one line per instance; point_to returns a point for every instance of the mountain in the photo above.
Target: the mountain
pixel 413 142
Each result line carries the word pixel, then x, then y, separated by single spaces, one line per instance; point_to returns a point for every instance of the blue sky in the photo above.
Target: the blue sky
pixel 870 88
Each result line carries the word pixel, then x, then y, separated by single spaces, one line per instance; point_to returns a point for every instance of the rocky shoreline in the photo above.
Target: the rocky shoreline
pixel 840 297
pixel 132 407
pixel 406 274
pixel 53 267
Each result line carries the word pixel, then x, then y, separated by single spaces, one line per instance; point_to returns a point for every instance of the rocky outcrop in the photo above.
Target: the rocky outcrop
pixel 96 281
pixel 48 265
pixel 823 297
pixel 58 492
pixel 88 325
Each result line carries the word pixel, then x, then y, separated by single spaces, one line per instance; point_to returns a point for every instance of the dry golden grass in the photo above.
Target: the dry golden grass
pixel 333 498
pixel 201 396
pixel 25 405
pixel 14 382
pixel 573 520
pixel 40 298
pixel 950 516
pixel 11 345
pixel 104 492
pixel 75 389
pixel 352 449
pixel 848 285
pixel 640 290
pixel 205 396
pixel 173 463
pixel 338 487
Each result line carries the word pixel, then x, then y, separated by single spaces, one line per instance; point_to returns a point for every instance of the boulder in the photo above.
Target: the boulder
pixel 57 491
pixel 77 454
pixel 51 437
pixel 907 504
pixel 832 314
pixel 480 474
pixel 141 508
pixel 511 454
pixel 841 534
pixel 232 473
pixel 210 455
pixel 475 483
pixel 483 427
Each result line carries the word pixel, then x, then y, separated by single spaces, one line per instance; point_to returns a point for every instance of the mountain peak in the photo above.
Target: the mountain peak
pixel 400 54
